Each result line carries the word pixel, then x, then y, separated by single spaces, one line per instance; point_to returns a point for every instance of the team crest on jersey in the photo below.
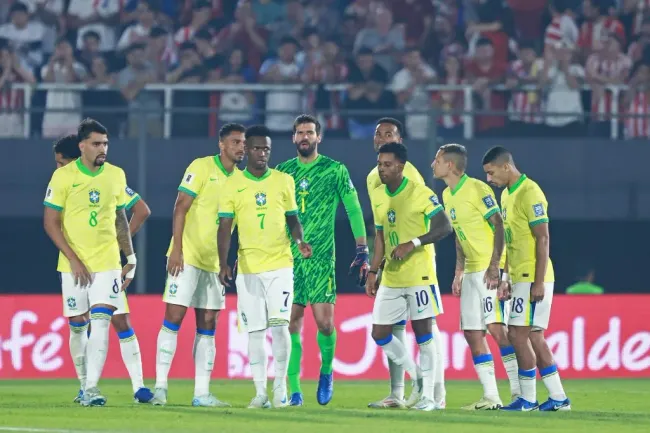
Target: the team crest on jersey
pixel 538 209
pixel 452 214
pixel 129 192
pixel 303 184
pixel 72 302
pixel 260 198
pixel 392 216
pixel 93 196
pixel 488 201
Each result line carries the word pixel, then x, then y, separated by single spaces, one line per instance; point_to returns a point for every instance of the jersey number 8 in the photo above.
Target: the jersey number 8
pixel 93 219
pixel 393 238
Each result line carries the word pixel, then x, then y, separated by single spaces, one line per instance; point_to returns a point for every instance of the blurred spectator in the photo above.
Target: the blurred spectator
pixel 161 51
pixel 364 10
pixel 597 26
pixel 216 9
pixel 348 34
pixel 168 12
pixel 491 19
pixel 312 52
pixel 562 31
pixel 62 68
pixel 415 16
pixel 409 85
pixel 51 14
pixel 483 72
pixel 635 50
pixel 384 38
pixel 282 106
pixel 200 17
pixel 99 16
pixel 605 67
pixel 24 35
pixel 525 105
pixel 203 40
pixel 99 74
pixel 561 79
pixel 293 25
pixel 323 15
pixel 189 59
pixel 268 12
pixel 451 103
pixel 140 30
pixel 526 15
pixel 98 99
pixel 244 33
pixel 637 101
pixel 443 37
pixel 143 105
pixel 12 100
pixel 236 105
pixel 90 47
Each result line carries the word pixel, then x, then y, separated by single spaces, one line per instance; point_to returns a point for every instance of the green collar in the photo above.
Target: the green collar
pixel 460 183
pixel 309 164
pixel 217 161
pixel 399 189
pixel 250 176
pixel 517 184
pixel 82 168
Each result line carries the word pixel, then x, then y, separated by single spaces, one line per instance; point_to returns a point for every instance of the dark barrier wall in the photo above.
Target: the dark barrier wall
pixel 598 192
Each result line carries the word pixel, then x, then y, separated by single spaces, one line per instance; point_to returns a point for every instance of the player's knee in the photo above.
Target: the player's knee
pixel 517 336
pixel 120 323
pixel 381 336
pixel 499 333
pixel 175 314
pixel 326 327
pixel 206 319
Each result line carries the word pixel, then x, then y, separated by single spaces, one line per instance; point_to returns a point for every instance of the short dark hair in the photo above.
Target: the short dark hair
pixel 87 127
pixel 394 122
pixel 68 147
pixel 257 131
pixel 229 128
pixel 456 153
pixel 306 118
pixel 497 155
pixel 91 34
pixel 397 149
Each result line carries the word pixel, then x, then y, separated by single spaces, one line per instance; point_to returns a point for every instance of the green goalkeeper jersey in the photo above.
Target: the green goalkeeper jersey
pixel 320 186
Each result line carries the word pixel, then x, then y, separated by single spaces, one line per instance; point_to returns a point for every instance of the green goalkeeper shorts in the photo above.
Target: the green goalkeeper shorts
pixel 314 282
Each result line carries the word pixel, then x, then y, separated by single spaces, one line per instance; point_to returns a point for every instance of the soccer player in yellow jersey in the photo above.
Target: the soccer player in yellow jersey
pixel 475 217
pixel 85 217
pixel 529 278
pixel 66 151
pixel 193 265
pixel 391 130
pixel 408 220
pixel 263 202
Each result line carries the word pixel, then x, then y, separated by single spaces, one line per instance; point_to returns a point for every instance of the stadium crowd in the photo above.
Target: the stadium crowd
pixel 384 52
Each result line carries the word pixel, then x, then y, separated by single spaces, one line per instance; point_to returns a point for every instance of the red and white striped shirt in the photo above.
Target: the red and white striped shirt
pixel 451 103
pixel 562 29
pixel 638 127
pixel 598 64
pixel 525 106
pixel 592 34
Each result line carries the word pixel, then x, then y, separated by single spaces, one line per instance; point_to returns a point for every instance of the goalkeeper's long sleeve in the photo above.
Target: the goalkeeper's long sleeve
pixel 355 214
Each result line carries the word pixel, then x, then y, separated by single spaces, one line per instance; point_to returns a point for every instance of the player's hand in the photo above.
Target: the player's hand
pixel 175 263
pixel 360 265
pixel 504 291
pixel 305 249
pixel 457 284
pixel 225 275
pixel 537 292
pixel 372 285
pixel 402 250
pixel 491 277
pixel 126 280
pixel 82 277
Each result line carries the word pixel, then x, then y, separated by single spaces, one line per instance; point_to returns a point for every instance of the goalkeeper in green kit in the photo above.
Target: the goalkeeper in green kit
pixel 321 183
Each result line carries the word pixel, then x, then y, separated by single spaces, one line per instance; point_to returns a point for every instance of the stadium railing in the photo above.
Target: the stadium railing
pixel 168 90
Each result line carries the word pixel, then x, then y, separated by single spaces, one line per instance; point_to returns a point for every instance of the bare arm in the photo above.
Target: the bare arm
pixel 440 226
pixel 379 251
pixel 542 238
pixel 499 239
pixel 123 232
pixel 295 227
pixel 52 225
pixel 224 234
pixel 181 207
pixel 139 214
pixel 460 258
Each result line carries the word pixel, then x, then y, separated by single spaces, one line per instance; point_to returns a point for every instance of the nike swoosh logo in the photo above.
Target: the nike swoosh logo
pixel 212 179
pixel 240 190
pixel 419 311
pixel 284 310
pixel 74 185
pixel 377 205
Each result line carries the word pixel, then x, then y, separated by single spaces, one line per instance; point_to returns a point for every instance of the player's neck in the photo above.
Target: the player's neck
pixel 226 163
pixel 257 172
pixel 90 165
pixel 515 175
pixel 453 179
pixel 394 186
pixel 309 158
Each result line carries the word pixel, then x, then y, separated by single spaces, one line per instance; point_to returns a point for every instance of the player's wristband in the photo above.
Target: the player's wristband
pixel 298 241
pixel 373 272
pixel 505 277
pixel 416 242
pixel 131 260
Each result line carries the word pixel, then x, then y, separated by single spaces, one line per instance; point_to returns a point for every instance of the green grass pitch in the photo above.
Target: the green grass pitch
pixel 45 406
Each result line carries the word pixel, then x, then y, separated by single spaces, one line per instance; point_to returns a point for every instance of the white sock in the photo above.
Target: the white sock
pixel 97 347
pixel 510 363
pixel 204 351
pixel 396 351
pixel 166 348
pixel 484 366
pixel 281 348
pixel 439 390
pixel 396 371
pixel 78 342
pixel 258 360
pixel 427 364
pixel 528 384
pixel 551 379
pixel 132 358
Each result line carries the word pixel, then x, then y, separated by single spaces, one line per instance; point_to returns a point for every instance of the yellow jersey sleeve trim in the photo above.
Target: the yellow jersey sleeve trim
pixel 187 191
pixel 434 212
pixel 226 215
pixel 537 222
pixel 488 215
pixel 291 212
pixel 133 201
pixel 53 206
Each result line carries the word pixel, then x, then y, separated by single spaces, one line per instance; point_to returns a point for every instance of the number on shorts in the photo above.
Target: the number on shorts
pixel 393 238
pixel 286 298
pixel 518 305
pixel 261 216
pixel 487 305
pixel 116 287
pixel 422 298
pixel 93 219
pixel 460 234
pixel 508 235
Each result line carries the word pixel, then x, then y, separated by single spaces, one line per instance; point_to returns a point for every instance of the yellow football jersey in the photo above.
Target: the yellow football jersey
pixel 260 206
pixel 469 207
pixel 88 202
pixel 132 197
pixel 373 181
pixel 524 206
pixel 402 216
pixel 204 180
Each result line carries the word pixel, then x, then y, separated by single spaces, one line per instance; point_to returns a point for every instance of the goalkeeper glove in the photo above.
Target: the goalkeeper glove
pixel 360 265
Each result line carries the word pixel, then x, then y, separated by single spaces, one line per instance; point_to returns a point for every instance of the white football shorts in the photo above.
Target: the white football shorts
pixel 479 306
pixel 264 299
pixel 525 313
pixel 195 288
pixel 394 304
pixel 105 289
